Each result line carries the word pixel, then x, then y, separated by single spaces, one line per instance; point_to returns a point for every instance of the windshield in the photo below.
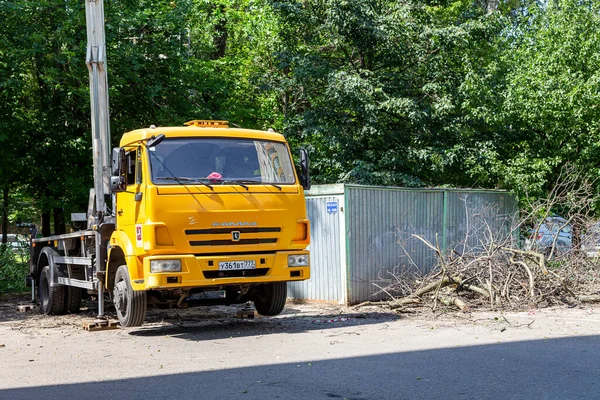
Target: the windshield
pixel 220 160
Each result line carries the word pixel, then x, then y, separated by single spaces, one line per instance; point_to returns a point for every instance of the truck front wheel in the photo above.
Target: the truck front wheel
pixel 130 304
pixel 52 298
pixel 270 298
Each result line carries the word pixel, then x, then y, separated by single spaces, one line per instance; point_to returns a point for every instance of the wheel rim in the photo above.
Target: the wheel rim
pixel 120 297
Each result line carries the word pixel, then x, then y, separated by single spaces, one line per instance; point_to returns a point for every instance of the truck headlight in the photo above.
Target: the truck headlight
pixel 299 260
pixel 165 266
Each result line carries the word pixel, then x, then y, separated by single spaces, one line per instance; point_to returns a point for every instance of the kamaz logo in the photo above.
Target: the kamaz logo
pixel 239 223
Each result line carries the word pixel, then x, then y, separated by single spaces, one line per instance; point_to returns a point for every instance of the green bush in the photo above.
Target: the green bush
pixel 14 267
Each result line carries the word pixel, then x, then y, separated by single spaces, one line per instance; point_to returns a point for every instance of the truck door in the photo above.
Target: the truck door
pixel 130 203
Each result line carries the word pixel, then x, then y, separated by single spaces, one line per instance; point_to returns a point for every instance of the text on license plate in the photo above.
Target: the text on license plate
pixel 236 265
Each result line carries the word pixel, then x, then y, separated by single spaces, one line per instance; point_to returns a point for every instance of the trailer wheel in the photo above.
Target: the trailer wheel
pixel 52 298
pixel 73 299
pixel 130 304
pixel 270 299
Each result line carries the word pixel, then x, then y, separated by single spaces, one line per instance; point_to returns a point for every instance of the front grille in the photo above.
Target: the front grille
pixel 231 242
pixel 216 231
pixel 236 274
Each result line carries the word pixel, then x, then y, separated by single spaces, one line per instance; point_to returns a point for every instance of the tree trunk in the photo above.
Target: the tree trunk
pixel 220 35
pixel 45 224
pixel 59 221
pixel 5 214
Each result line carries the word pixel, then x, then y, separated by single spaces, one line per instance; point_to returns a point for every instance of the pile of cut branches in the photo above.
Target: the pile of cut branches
pixel 513 268
pixel 503 277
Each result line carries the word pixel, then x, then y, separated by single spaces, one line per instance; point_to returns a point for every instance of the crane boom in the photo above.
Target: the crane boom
pixel 96 63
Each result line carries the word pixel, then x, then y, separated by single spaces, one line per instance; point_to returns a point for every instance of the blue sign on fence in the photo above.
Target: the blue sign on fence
pixel 332 207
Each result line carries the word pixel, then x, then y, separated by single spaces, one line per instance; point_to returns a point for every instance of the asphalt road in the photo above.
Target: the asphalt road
pixel 310 352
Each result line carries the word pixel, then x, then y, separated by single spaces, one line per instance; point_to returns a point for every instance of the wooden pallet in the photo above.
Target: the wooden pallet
pixel 100 325
pixel 26 307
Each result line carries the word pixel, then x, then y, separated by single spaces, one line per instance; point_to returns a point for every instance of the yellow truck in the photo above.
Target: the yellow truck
pixel 204 214
pixel 200 214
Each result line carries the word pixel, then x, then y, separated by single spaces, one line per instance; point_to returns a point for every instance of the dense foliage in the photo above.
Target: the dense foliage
pixel 13 268
pixel 411 93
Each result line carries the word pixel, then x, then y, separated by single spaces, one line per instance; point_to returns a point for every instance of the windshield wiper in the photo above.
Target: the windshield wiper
pixel 241 181
pixel 185 179
pixel 237 182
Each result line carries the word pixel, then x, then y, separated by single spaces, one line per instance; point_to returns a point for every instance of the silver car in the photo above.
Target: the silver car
pixel 554 231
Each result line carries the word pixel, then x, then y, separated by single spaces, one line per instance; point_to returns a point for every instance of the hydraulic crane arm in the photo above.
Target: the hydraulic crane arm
pixel 96 63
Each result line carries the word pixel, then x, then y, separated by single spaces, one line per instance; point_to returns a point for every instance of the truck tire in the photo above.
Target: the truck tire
pixel 52 298
pixel 130 304
pixel 73 299
pixel 270 299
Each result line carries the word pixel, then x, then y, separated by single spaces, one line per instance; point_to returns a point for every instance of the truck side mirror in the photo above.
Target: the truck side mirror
pixel 115 161
pixel 118 170
pixel 304 174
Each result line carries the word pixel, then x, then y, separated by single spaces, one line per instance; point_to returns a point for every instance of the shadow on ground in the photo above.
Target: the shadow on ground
pixel 544 369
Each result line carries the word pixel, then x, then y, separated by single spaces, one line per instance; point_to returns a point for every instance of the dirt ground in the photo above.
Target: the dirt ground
pixel 296 316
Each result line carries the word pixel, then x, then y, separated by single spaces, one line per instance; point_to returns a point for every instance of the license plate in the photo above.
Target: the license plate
pixel 237 265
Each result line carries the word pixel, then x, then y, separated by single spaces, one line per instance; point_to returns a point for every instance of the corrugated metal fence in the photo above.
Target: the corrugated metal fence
pixel 362 237
pixel 327 254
